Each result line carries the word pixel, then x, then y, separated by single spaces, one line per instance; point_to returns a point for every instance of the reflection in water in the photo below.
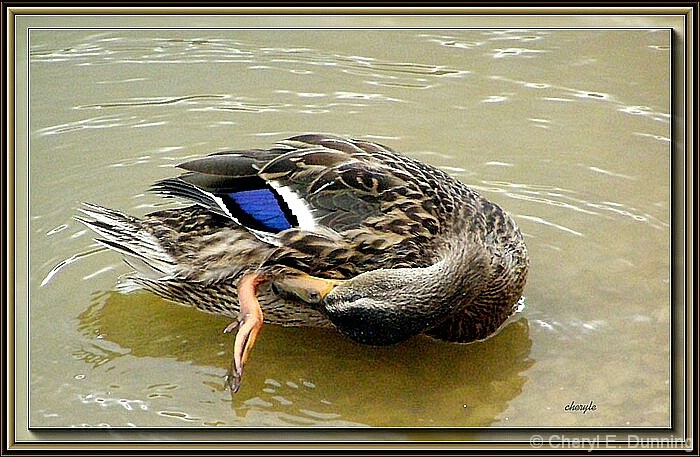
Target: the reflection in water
pixel 307 376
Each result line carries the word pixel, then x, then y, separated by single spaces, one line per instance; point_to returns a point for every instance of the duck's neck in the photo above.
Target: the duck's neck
pixel 390 305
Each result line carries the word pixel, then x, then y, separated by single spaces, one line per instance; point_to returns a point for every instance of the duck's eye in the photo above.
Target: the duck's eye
pixel 355 297
pixel 313 296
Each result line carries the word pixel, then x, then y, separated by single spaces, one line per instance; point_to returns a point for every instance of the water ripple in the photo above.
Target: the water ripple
pixel 559 93
pixel 515 52
pixel 495 99
pixel 539 220
pixel 515 36
pixel 179 415
pixel 297 60
pixel 609 173
pixel 72 259
pixel 569 200
pixel 213 102
pixel 105 400
pixel 665 139
pixel 573 329
pixel 404 68
pixel 104 122
pixel 152 101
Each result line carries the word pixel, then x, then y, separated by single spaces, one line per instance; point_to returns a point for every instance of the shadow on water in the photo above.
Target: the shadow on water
pixel 421 382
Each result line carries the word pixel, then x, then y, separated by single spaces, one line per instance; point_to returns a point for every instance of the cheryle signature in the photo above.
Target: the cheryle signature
pixel 580 407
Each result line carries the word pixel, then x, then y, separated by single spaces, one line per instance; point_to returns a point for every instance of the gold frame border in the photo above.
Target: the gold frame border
pixel 683 22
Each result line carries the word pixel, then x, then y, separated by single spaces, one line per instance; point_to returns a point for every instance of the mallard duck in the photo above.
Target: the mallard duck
pixel 322 230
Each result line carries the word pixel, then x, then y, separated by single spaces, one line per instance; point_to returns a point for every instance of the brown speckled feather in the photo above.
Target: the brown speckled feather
pixel 371 209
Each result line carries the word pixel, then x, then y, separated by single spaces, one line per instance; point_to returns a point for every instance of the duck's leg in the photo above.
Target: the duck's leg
pixel 249 323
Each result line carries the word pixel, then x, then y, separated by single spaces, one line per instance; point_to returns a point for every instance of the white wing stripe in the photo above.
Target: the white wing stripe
pixel 297 205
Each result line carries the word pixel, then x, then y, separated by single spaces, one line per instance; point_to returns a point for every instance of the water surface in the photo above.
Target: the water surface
pixel 568 130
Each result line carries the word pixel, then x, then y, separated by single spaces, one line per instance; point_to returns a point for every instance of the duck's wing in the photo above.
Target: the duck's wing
pixel 314 183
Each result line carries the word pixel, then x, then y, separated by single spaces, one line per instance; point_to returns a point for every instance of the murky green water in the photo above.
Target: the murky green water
pixel 569 130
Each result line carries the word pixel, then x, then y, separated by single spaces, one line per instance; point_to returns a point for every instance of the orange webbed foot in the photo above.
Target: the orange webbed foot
pixel 249 323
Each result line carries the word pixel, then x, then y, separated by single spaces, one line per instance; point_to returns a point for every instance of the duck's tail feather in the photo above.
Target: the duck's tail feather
pixel 127 235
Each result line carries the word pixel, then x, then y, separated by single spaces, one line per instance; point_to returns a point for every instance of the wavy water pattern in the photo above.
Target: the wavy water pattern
pixel 570 200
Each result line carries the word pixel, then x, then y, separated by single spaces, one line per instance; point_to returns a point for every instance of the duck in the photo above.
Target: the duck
pixel 326 231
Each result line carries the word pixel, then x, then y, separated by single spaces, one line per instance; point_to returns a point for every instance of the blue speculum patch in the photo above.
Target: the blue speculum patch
pixel 260 209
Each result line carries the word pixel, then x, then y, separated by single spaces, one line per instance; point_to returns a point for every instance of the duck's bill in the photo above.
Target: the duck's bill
pixel 306 288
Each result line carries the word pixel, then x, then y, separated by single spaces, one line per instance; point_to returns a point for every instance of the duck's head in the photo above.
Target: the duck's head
pixel 377 307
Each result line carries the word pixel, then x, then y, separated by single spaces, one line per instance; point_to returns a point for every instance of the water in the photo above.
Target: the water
pixel 568 130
